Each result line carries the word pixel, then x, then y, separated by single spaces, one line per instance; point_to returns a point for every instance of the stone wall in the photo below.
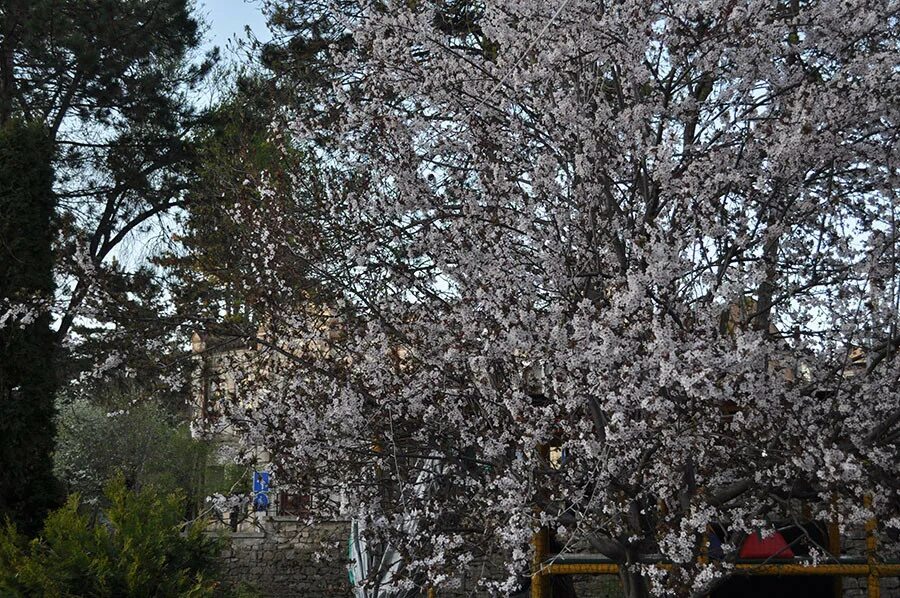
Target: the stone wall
pixel 280 557
pixel 287 559
pixel 857 587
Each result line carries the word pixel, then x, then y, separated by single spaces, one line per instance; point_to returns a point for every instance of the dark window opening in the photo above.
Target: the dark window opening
pixel 294 504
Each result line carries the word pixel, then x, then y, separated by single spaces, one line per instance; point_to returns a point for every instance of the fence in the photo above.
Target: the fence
pixel 546 565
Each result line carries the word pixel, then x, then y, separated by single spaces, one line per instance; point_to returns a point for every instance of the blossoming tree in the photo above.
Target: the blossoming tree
pixel 659 237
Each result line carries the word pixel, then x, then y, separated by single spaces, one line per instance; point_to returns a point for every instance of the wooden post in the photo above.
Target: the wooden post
pixel 834 547
pixel 539 581
pixel 541 544
pixel 432 593
pixel 703 559
pixel 872 586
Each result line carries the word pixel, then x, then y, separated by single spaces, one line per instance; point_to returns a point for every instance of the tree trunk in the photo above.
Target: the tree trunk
pixel 633 583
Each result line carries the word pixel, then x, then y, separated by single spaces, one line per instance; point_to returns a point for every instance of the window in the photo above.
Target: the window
pixel 294 504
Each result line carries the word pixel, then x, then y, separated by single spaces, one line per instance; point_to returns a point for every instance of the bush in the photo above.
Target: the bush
pixel 134 547
pixel 138 440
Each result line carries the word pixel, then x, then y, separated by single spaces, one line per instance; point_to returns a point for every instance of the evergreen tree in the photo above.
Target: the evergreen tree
pixel 211 269
pixel 108 84
pixel 27 380
pixel 110 81
pixel 137 547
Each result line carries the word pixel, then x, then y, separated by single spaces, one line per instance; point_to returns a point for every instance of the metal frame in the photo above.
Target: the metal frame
pixel 545 565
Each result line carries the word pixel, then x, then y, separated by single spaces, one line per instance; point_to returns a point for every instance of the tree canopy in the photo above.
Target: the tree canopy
pixel 657 237
pixel 27 349
pixel 97 151
pixel 109 81
pixel 622 272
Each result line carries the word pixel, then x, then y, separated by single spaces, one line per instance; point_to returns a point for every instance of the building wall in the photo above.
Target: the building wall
pixel 287 559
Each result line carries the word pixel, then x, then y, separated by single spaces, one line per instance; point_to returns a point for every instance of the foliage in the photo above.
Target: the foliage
pixel 660 237
pixel 136 547
pixel 136 439
pixel 27 375
pixel 212 271
pixel 109 80
pixel 309 38
pixel 245 590
pixel 104 84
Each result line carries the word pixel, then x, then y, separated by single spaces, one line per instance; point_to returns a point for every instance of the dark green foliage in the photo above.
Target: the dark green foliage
pixel 133 437
pixel 108 83
pixel 213 278
pixel 210 274
pixel 111 82
pixel 308 37
pixel 135 547
pixel 27 381
pixel 107 62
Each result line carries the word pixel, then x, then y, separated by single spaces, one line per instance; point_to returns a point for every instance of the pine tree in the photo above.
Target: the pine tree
pixel 27 380
pixel 110 80
pixel 211 269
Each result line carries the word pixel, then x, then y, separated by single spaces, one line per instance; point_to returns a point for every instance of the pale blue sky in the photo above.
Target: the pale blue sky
pixel 227 18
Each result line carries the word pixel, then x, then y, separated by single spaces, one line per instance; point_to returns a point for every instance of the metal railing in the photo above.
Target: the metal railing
pixel 545 565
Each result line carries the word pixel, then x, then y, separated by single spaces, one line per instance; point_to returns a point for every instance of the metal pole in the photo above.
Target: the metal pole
pixel 538 577
pixel 860 570
pixel 872 585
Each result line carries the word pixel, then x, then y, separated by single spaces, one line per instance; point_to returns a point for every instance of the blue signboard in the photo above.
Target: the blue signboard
pixel 260 481
pixel 260 490
pixel 260 502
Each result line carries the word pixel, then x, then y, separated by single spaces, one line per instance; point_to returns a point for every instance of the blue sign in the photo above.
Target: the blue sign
pixel 260 488
pixel 260 481
pixel 260 502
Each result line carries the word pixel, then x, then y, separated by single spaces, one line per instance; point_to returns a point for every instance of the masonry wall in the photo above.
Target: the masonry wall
pixel 283 558
pixel 856 587
pixel 287 559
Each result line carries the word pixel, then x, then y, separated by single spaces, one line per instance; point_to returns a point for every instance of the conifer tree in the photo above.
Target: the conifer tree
pixel 27 380
pixel 106 85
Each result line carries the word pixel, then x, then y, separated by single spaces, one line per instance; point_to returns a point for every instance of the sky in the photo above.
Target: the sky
pixel 226 20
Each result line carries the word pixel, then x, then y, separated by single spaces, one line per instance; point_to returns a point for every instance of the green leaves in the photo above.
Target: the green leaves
pixel 141 442
pixel 27 377
pixel 135 547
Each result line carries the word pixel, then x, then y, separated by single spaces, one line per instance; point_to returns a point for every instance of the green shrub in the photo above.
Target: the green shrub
pixel 140 440
pixel 134 547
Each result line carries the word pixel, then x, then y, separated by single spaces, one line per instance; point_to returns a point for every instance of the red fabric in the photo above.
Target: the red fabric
pixel 756 547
